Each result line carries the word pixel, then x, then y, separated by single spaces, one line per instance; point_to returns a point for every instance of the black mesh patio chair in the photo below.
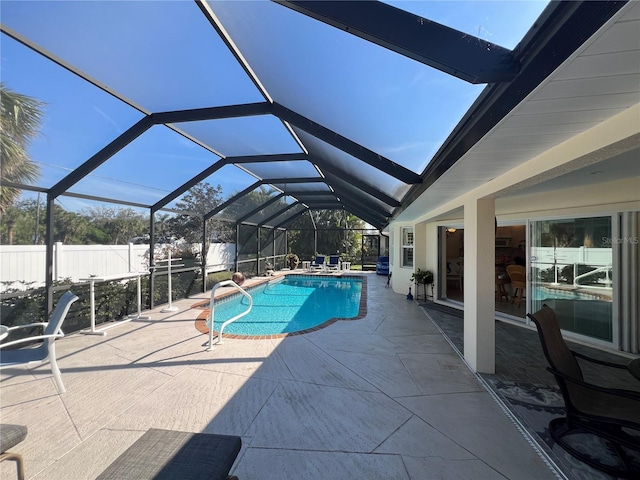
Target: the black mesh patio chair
pixel 611 414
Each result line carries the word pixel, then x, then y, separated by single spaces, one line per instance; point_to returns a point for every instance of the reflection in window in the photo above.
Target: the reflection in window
pixel 572 272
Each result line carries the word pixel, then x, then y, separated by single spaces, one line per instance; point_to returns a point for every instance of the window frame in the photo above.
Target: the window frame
pixel 407 245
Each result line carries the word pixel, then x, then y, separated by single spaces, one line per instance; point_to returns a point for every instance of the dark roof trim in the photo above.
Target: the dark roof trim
pixel 561 29
pixel 352 199
pixel 102 156
pixel 212 113
pixel 260 207
pixel 358 151
pixel 290 219
pixel 277 214
pixel 188 184
pixel 339 174
pixel 276 157
pixel 464 56
pixel 232 199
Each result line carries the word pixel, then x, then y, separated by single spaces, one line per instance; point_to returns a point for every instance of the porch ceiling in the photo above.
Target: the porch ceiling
pixel 329 110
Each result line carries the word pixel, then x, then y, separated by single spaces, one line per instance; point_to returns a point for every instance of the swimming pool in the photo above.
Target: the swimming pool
pixel 542 293
pixel 296 303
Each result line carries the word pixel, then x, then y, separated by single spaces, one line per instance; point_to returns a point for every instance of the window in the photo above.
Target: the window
pixel 407 247
pixel 572 272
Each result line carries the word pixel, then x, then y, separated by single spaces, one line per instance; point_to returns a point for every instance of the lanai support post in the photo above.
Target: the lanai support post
pixel 49 254
pixel 152 257
pixel 479 285
pixel 235 261
pixel 204 254
pixel 258 250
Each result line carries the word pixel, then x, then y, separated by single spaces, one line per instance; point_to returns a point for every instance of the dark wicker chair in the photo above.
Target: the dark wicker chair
pixel 611 414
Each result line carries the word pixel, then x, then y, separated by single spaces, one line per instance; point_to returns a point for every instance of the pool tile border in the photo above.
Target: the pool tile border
pixel 201 320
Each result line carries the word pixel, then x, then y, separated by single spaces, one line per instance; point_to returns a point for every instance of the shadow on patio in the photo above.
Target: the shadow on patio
pixel 528 391
pixel 382 397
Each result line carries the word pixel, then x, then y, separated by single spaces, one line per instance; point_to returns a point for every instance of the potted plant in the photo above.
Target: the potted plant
pixel 423 277
pixel 293 260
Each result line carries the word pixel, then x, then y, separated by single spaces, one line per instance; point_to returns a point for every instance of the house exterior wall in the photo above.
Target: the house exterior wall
pixel 614 136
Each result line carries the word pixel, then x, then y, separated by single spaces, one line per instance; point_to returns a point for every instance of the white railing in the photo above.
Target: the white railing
pixel 607 282
pixel 231 320
pixel 92 302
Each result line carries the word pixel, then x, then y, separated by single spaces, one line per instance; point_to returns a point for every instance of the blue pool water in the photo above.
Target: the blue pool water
pixel 547 293
pixel 290 305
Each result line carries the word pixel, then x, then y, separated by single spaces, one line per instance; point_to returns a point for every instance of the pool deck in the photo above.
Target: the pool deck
pixel 381 397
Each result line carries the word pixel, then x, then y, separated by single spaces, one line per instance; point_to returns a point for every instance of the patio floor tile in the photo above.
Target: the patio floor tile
pixel 381 397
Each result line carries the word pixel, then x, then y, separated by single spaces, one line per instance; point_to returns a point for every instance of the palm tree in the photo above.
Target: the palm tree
pixel 20 119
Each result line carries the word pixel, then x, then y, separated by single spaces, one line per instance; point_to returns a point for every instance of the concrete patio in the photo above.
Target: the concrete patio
pixel 377 398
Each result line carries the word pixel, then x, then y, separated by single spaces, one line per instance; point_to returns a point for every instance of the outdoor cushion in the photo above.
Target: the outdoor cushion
pixel 11 435
pixel 171 455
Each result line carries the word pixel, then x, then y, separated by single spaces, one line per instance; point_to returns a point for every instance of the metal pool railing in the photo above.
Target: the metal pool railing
pixel 224 283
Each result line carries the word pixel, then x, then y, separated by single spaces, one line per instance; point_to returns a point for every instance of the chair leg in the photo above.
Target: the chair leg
pixel 19 462
pixel 517 296
pixel 54 368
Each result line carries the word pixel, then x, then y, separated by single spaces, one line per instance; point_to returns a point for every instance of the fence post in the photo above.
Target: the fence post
pixel 57 254
pixel 130 257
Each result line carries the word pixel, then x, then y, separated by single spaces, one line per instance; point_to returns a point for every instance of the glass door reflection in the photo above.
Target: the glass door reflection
pixel 571 271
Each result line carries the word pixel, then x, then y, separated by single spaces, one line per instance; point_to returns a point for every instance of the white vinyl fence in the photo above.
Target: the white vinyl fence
pixel 23 266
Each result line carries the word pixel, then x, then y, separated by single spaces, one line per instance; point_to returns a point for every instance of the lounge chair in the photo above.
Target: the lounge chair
pixel 612 415
pixel 334 262
pixel 46 350
pixel 318 263
pixel 382 267
pixel 10 436
pixel 169 454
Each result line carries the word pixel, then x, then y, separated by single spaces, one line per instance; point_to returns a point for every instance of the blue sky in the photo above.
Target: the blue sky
pixel 164 55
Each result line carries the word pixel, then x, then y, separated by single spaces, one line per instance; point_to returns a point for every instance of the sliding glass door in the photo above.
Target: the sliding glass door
pixel 571 263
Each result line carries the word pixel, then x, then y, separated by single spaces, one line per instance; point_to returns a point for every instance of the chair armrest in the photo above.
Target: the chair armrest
pixel 31 339
pixel 630 394
pixel 600 362
pixel 28 325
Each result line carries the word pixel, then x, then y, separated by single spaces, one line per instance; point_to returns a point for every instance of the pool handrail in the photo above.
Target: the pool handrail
pixel 607 282
pixel 224 283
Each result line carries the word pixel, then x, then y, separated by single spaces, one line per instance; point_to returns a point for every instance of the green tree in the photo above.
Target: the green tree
pixel 27 224
pixel 199 199
pixel 20 119
pixel 116 226
pixel 18 223
pixel 337 233
pixel 69 227
pixel 162 224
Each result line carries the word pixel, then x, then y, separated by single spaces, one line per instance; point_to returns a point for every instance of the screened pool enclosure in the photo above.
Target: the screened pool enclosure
pixel 278 127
